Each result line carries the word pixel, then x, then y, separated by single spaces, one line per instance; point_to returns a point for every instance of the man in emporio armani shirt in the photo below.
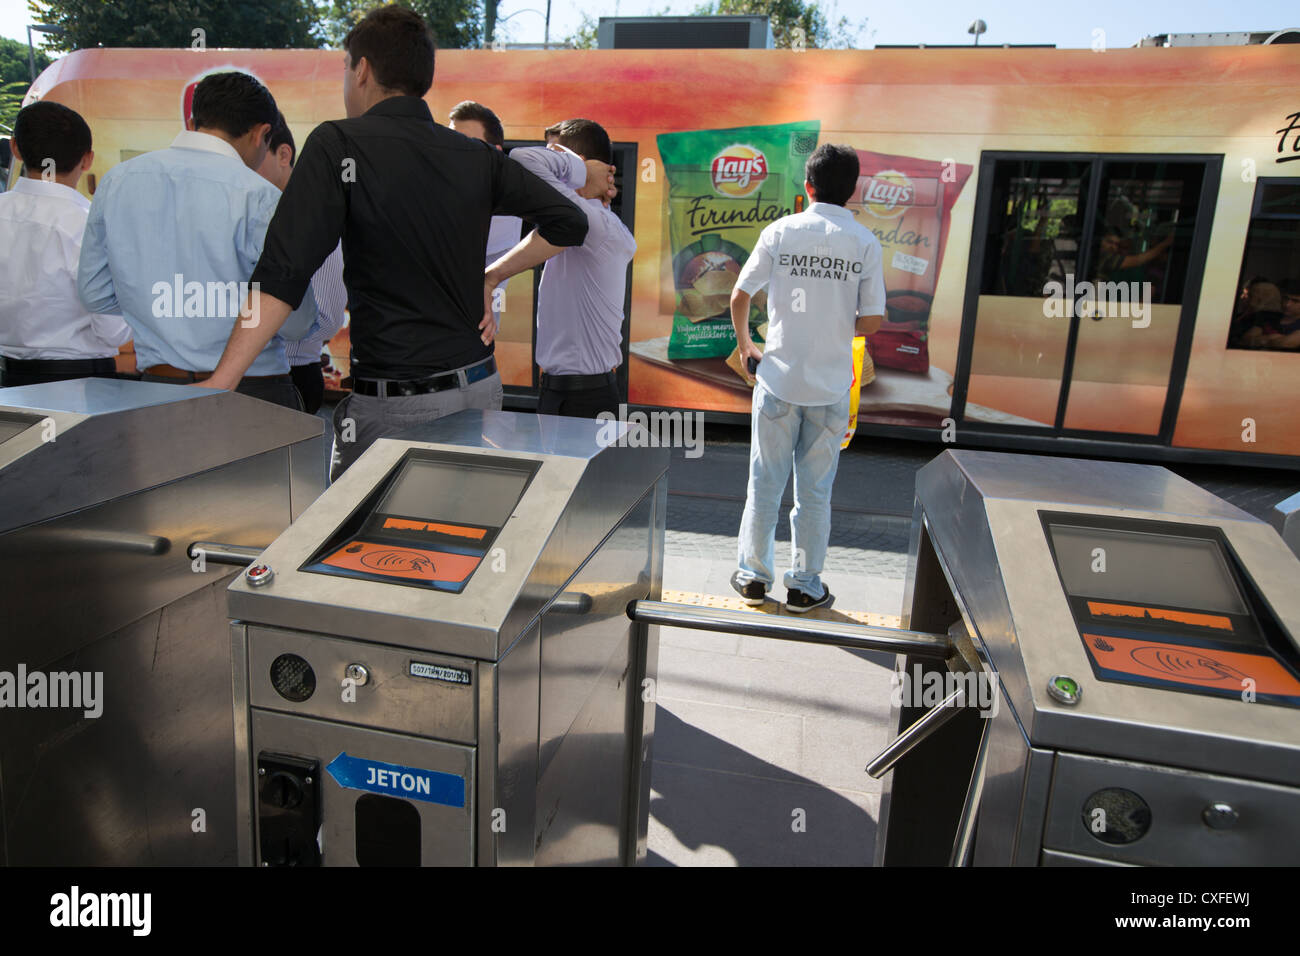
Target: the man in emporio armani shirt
pixel 823 274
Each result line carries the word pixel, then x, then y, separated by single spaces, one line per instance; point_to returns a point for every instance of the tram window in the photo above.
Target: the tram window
pixel 1144 222
pixel 1266 314
pixel 1034 227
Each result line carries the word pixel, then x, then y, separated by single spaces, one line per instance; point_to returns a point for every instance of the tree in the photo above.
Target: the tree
pixel 584 38
pixel 790 16
pixel 15 78
pixel 258 24
pixel 456 24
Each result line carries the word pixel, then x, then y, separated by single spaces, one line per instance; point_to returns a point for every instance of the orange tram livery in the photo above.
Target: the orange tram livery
pixel 1091 252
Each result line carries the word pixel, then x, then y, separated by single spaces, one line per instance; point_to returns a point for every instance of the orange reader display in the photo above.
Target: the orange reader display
pixel 429 524
pixel 1168 605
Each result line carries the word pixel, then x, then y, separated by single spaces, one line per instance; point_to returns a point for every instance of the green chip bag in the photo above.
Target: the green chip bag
pixel 724 187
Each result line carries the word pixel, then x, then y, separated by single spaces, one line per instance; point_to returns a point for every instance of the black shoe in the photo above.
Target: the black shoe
pixel 754 593
pixel 798 602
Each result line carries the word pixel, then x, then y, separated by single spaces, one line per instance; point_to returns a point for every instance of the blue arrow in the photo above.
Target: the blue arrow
pixel 394 780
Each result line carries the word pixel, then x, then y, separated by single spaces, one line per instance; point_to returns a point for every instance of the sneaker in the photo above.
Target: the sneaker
pixel 754 593
pixel 798 602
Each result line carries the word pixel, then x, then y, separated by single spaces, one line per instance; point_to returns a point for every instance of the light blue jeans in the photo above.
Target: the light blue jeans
pixel 807 438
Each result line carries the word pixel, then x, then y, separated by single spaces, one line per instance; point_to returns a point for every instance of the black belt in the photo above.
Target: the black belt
pixel 59 366
pixel 577 383
pixel 388 388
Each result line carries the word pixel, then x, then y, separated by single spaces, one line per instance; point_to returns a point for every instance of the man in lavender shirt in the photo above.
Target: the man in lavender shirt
pixel 580 302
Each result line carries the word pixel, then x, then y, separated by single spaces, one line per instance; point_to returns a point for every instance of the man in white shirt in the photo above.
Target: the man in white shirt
pixel 580 300
pixel 825 284
pixel 305 363
pixel 46 334
pixel 478 122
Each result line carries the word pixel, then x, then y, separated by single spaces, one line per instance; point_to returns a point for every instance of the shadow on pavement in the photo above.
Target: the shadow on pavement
pixel 747 806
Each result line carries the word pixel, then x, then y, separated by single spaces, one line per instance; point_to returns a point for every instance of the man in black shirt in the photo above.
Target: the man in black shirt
pixel 412 202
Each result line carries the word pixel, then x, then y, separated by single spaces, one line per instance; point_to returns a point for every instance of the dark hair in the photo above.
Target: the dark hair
pixel 833 172
pixel 399 47
pixel 586 138
pixel 49 130
pixel 1289 286
pixel 232 102
pixel 552 130
pixel 469 110
pixel 280 136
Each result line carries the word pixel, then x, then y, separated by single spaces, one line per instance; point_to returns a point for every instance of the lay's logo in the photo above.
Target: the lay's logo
pixel 738 171
pixel 887 192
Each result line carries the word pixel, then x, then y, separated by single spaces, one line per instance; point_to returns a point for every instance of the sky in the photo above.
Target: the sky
pixel 1124 22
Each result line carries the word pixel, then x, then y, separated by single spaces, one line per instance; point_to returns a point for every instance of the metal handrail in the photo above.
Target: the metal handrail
pixel 866 637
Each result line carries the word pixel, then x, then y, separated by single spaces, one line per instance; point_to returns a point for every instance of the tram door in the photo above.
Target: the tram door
pixel 1081 292
pixel 516 347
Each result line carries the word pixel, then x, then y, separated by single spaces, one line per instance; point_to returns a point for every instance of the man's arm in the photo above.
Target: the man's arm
pixel 757 272
pixel 740 300
pixel 94 280
pixel 305 229
pixel 871 293
pixel 531 252
pixel 517 192
pixel 1280 340
pixel 260 319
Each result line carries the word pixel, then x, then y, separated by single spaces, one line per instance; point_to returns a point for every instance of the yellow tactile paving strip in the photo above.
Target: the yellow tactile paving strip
pixel 734 603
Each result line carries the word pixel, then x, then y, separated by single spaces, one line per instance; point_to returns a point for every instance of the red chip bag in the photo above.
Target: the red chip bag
pixel 907 203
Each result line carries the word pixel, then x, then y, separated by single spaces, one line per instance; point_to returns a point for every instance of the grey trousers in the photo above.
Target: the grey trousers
pixel 359 420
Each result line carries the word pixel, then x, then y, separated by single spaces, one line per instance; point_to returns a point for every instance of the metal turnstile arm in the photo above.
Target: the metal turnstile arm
pixel 936 717
pixel 219 553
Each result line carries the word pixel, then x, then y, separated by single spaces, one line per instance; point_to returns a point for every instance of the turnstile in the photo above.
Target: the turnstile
pixel 1285 517
pixel 434 665
pixel 116 739
pixel 1142 634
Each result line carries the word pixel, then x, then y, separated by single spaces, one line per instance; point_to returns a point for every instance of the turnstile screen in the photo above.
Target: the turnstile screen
pixel 1160 604
pixel 430 525
pixel 1144 568
pixel 441 490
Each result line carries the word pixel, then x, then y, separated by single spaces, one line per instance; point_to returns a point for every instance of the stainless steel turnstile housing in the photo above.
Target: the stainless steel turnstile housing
pixel 1175 617
pixel 103 485
pixel 439 668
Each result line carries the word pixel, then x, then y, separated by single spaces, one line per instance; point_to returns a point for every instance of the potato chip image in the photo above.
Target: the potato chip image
pixel 718 304
pixel 716 282
pixel 692 305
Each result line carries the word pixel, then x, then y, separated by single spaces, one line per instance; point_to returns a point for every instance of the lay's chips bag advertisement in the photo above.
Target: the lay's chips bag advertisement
pixel 724 187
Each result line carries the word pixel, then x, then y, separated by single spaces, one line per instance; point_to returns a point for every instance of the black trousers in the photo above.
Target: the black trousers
pixel 276 389
pixel 310 380
pixel 585 403
pixel 36 371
